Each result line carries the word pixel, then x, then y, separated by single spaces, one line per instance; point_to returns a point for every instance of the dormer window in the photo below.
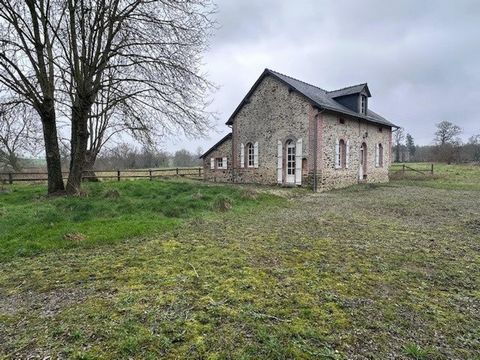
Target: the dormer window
pixel 363 104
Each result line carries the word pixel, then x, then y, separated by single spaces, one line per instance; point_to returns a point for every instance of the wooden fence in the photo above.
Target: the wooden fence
pixel 403 168
pixel 115 175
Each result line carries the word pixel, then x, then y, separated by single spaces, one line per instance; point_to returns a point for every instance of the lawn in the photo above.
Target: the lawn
pixel 368 272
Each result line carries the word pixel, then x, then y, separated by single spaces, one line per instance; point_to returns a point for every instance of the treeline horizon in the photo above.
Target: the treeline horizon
pixel 125 156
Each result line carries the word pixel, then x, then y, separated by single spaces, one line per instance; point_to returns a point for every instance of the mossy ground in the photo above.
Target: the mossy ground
pixel 383 271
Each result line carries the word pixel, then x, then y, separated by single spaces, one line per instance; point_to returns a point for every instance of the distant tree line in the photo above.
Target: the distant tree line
pixel 127 156
pixel 447 146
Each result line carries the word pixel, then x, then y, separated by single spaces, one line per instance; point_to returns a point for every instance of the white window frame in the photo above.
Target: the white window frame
pixel 219 163
pixel 250 155
pixel 363 104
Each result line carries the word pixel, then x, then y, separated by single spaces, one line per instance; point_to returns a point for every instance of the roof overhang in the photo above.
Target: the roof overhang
pixel 214 147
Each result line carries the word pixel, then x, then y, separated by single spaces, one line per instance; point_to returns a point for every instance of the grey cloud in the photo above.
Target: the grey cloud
pixel 420 58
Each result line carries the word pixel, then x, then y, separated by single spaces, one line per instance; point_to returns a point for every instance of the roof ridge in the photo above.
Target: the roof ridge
pixel 304 82
pixel 347 87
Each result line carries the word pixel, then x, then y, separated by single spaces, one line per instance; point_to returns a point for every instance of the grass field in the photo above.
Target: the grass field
pixel 156 269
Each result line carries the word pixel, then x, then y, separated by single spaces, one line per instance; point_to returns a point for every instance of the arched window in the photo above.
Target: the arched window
pixel 290 149
pixel 250 155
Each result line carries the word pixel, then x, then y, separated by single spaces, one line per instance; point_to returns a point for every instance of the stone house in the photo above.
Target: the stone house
pixel 292 133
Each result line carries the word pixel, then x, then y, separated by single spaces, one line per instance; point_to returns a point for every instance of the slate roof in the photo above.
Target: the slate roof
pixel 349 90
pixel 225 138
pixel 318 97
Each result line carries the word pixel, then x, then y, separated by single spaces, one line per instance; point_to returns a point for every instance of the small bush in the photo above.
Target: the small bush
pixel 222 203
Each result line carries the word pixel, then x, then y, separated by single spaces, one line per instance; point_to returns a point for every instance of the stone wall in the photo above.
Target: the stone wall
pixel 273 113
pixel 219 175
pixel 356 132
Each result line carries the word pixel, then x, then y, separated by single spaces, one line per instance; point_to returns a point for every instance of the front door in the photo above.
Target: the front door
pixel 290 176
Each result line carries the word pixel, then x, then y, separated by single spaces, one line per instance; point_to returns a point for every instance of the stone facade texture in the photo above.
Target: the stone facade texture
pixel 275 113
pixel 356 132
pixel 224 150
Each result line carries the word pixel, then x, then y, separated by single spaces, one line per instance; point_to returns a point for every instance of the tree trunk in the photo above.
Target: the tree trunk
pixel 52 151
pixel 89 173
pixel 79 144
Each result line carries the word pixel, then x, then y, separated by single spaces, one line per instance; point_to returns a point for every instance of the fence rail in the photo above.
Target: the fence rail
pixel 403 168
pixel 118 175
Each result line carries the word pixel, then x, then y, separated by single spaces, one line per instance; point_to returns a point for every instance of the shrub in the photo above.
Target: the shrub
pixel 250 194
pixel 222 203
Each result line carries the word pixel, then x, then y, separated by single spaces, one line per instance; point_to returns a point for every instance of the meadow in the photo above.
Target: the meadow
pixel 183 269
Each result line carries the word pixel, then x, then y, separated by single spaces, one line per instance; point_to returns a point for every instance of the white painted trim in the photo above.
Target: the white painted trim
pixel 347 153
pixel 242 155
pixel 337 154
pixel 298 162
pixel 255 155
pixel 279 162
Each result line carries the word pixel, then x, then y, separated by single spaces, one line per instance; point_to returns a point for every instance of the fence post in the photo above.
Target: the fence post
pixel 431 171
pixel 199 172
pixel 403 169
pixel 118 175
pixel 150 173
pixel 10 178
pixel 177 171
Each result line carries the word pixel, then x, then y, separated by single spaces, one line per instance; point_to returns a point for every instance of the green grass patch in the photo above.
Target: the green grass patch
pixel 449 177
pixel 31 223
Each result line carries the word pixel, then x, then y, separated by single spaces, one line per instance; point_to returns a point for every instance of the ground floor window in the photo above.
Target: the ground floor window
pixel 290 158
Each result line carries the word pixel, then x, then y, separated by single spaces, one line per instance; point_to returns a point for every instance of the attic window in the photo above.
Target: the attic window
pixel 380 129
pixel 363 104
pixel 341 121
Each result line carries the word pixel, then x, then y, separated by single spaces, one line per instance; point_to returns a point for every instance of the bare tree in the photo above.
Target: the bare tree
pixel 399 136
pixel 447 142
pixel 20 134
pixel 27 68
pixel 155 46
pixel 447 133
pixel 143 54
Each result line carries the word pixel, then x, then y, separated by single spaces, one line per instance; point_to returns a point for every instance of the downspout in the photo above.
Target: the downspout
pixel 315 149
pixel 233 154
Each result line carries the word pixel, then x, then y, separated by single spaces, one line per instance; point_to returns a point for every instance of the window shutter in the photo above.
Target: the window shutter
pixel 255 155
pixel 347 154
pixel 279 162
pixel 242 155
pixel 224 163
pixel 298 162
pixel 377 157
pixel 337 154
pixel 212 163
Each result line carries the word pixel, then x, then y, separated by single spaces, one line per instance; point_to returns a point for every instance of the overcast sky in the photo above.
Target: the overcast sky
pixel 421 59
